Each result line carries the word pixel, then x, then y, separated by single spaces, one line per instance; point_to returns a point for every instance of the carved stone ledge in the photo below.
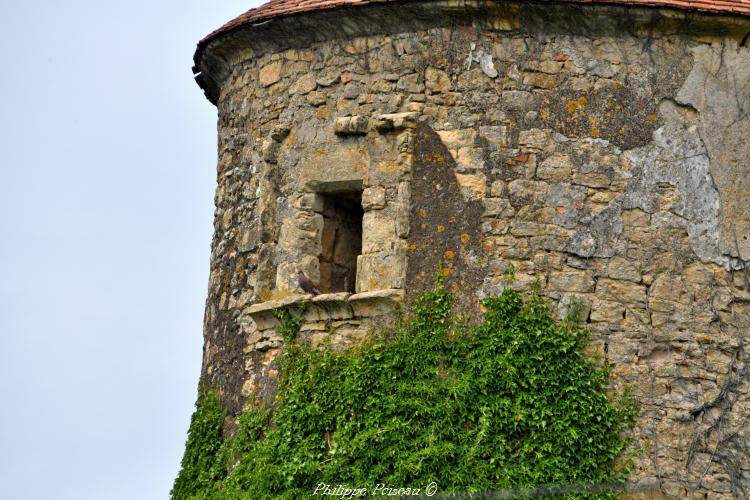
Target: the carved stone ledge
pixel 356 311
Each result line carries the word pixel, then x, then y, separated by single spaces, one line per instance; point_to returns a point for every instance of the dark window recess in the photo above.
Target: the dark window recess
pixel 342 241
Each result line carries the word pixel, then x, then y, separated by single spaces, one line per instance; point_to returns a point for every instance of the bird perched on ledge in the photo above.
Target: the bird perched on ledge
pixel 306 284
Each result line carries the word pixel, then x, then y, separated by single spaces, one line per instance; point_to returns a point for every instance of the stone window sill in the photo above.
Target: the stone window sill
pixel 329 307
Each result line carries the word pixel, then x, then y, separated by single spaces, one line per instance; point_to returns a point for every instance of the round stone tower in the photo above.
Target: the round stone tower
pixel 600 149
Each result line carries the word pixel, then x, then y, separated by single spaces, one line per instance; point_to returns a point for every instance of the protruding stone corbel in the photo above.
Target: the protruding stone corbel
pixel 396 121
pixel 351 125
pixel 271 146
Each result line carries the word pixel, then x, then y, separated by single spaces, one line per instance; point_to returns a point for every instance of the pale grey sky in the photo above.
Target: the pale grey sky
pixel 107 175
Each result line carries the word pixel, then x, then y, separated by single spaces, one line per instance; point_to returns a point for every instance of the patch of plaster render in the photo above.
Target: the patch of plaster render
pixel 677 157
pixel 703 152
pixel 718 87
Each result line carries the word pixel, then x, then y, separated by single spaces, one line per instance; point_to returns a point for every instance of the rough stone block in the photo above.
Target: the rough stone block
pixel 620 291
pixel 536 139
pixel 473 186
pixel 329 307
pixel 411 83
pixel 518 99
pixel 572 281
pixel 523 192
pixel 437 80
pixel 469 158
pixel 378 228
pixel 376 303
pixel 496 135
pixel 454 139
pixel 316 98
pixel 497 208
pixel 558 167
pixel 607 311
pixel 280 132
pixel 373 198
pixel 497 188
pixel 351 125
pixel 304 85
pixel 381 270
pixel 592 179
pixel 574 303
pixel 619 268
pixel 270 150
pixel 396 121
pixel 403 199
pixel 308 201
pixel 270 74
pixel 540 80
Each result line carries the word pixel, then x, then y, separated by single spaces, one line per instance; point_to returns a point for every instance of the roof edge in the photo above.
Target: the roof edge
pixel 279 8
pixel 264 21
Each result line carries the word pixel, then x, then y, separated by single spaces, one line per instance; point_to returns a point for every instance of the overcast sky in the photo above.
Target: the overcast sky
pixel 107 175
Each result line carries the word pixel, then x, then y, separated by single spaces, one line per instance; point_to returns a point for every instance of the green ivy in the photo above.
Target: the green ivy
pixel 510 403
pixel 204 463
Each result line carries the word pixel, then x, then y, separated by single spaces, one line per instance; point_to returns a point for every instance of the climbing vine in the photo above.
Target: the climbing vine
pixel 204 462
pixel 506 404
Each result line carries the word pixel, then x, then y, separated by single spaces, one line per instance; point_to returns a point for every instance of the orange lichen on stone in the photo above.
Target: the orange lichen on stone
pixel 576 103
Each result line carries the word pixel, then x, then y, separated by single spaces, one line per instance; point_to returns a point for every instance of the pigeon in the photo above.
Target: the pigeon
pixel 306 284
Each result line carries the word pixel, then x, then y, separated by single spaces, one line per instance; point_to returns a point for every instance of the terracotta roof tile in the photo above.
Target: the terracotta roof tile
pixel 278 8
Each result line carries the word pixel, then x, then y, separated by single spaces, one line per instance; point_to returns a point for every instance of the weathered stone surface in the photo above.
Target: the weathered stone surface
pixel 378 228
pixel 540 80
pixel 455 139
pixel 717 88
pixel 304 85
pixel 437 80
pixel 316 98
pixel 270 74
pixel 620 291
pixel 472 185
pixel 496 135
pixel 607 166
pixel 373 198
pixel 270 151
pixel 376 303
pixel 620 268
pixel 396 121
pixel 351 125
pixel 572 281
pixel 336 169
pixel 377 271
pixel 556 168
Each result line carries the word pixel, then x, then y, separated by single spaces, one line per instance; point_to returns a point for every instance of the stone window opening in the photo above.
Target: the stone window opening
pixel 341 241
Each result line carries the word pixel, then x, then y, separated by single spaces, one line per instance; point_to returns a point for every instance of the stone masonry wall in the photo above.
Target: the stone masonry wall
pixel 611 166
